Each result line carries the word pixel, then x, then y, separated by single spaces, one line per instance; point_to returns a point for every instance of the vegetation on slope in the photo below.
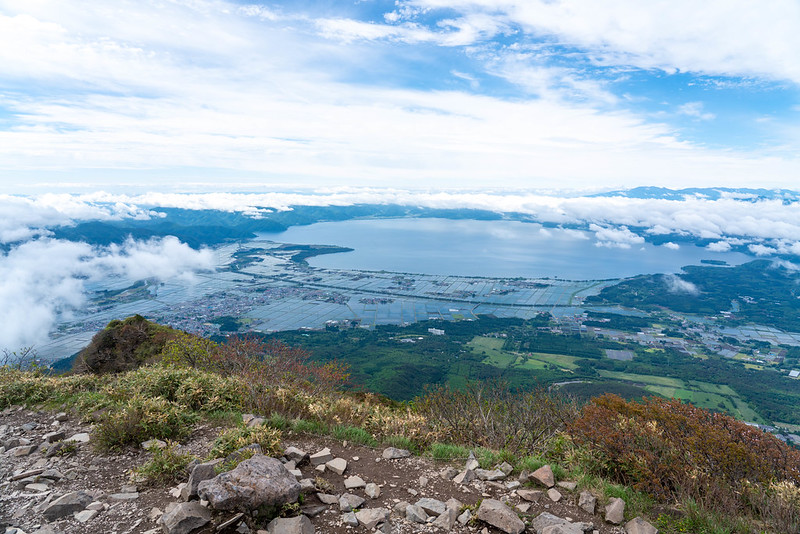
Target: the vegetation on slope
pixel 724 476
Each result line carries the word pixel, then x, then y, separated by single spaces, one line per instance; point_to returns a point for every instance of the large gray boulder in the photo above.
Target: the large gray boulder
pixel 567 528
pixel 184 518
pixel 66 505
pixel 291 525
pixel 546 519
pixel 587 501
pixel 257 481
pixel 393 453
pixel 501 516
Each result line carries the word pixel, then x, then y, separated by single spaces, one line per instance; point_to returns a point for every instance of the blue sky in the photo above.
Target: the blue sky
pixel 195 95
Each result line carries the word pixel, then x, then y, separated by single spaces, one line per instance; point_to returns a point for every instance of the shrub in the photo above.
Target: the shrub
pixel 674 450
pixel 235 438
pixel 490 414
pixel 166 466
pixel 140 419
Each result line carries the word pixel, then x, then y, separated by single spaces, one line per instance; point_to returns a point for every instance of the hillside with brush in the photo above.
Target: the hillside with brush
pixel 483 450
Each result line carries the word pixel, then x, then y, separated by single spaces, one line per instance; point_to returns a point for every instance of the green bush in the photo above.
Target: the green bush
pixel 447 451
pixel 235 438
pixel 140 419
pixel 166 466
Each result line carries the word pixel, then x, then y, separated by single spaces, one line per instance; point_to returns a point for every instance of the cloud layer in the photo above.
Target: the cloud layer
pixel 43 279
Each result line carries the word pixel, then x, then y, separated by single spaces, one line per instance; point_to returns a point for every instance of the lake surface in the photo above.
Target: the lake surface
pixel 488 248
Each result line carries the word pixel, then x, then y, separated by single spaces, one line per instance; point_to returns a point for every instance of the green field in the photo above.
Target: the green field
pixel 561 360
pixel 644 379
pixel 492 348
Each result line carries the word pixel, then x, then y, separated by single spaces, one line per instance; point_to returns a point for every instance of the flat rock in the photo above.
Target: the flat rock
pixel 554 495
pixel 506 468
pixel 465 517
pixel 448 473
pixel 85 515
pixel 291 525
pixel 321 457
pixel 530 495
pixel 569 486
pixel 185 517
pixel 354 482
pixel 615 511
pixel 52 437
pixel 349 502
pixel 431 506
pixel 154 444
pixel 400 508
pixel 256 482
pixel 370 517
pixel 501 516
pixel 472 464
pixel 637 525
pixel 587 501
pixel 228 522
pixel 393 453
pixel 337 465
pixel 544 476
pixel 81 437
pixel 124 496
pixel 312 511
pixel 66 505
pixel 486 474
pixel 326 498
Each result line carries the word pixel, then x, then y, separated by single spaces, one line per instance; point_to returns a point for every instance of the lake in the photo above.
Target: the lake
pixel 488 248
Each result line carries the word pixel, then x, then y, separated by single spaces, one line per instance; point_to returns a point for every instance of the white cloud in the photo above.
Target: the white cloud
pixel 719 246
pixel 695 109
pixel 672 246
pixel 719 37
pixel 620 237
pixel 676 284
pixel 761 250
pixel 41 279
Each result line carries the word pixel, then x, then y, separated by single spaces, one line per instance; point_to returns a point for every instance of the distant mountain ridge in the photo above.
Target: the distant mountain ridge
pixel 710 193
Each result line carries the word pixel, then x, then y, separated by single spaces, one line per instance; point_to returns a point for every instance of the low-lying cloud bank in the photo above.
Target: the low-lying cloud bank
pixel 43 279
pixel 772 226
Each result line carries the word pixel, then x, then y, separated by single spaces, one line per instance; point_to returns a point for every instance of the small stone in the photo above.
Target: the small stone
pixel 472 464
pixel 349 502
pixel 587 501
pixel 185 517
pixel 415 514
pixel 154 444
pixel 637 525
pixel 320 468
pixel 494 474
pixel 464 518
pixel 124 496
pixel 354 482
pixel 38 487
pixel 96 505
pixel 464 477
pixel 66 505
pixel 615 511
pixel 544 476
pixel 512 485
pixel 85 515
pixel 448 473
pixel 327 499
pixel 52 437
pixel 506 468
pixel 569 486
pixel 392 453
pixel 446 520
pixel 554 494
pixel 321 457
pixel 350 519
pixel 567 528
pixel 313 511
pixel 501 516
pixel 400 508
pixel 454 504
pixel 546 519
pixel 296 455
pixel 154 515
pixel 370 517
pixel 230 522
pixel 82 437
pixel 62 417
pixel 24 450
pixel 523 507
pixel 307 485
pixel 412 492
pixel 291 525
pixel 372 490
pixel 431 506
pixel 337 465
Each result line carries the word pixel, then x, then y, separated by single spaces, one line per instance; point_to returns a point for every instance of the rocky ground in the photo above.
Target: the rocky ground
pixel 53 481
